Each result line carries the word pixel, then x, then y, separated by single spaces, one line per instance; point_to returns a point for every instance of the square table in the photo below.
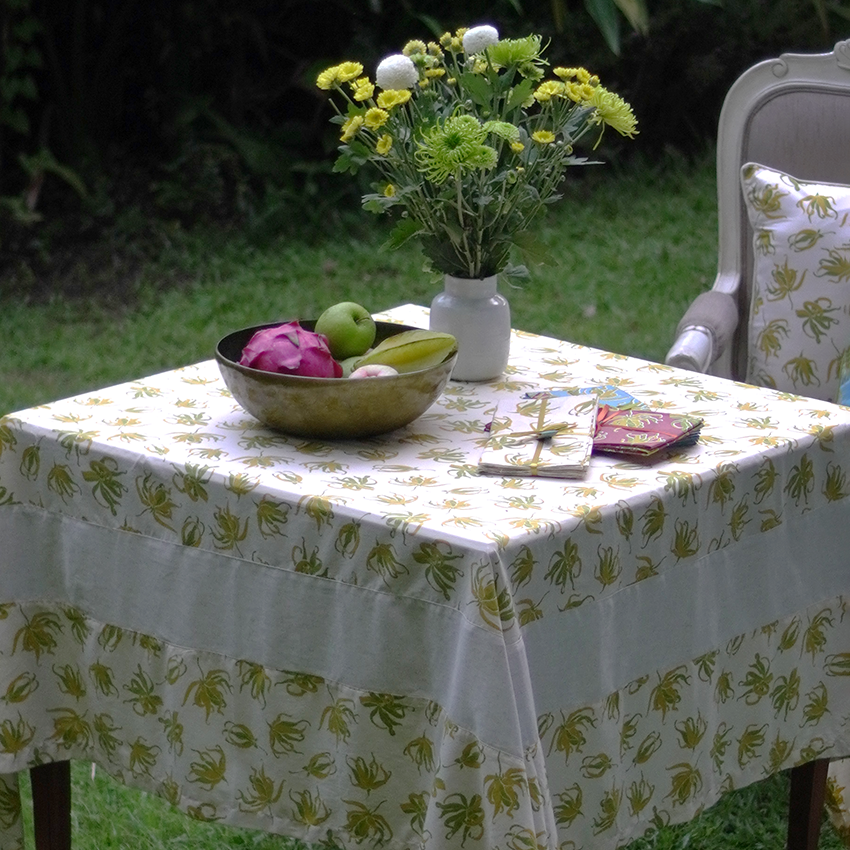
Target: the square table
pixel 366 642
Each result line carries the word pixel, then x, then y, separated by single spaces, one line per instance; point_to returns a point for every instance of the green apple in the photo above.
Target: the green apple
pixel 349 327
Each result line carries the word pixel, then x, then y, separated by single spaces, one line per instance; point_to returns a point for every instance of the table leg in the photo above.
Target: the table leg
pixel 805 805
pixel 51 801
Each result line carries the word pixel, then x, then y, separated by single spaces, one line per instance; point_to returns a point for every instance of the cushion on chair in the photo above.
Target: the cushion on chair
pixel 800 314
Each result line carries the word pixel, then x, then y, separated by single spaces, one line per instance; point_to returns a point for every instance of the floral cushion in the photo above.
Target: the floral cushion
pixel 800 313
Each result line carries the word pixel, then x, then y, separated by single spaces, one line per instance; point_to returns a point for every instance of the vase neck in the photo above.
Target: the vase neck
pixel 465 287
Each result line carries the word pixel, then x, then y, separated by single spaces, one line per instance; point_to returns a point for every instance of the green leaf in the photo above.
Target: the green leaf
pixel 532 248
pixel 43 162
pixel 605 13
pixel 345 164
pixel 520 94
pixel 406 229
pixel 636 14
pixel 516 274
pixel 477 88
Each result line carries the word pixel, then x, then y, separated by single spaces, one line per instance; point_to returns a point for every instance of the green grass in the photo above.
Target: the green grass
pixel 632 249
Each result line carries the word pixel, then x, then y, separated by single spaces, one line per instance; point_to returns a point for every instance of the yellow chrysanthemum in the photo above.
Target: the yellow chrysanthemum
pixel 612 110
pixel 384 144
pixel 375 117
pixel 363 89
pixel 435 50
pixel 338 74
pixel 393 97
pixel 546 91
pixel 582 75
pixel 574 92
pixel 414 47
pixel 389 191
pixel 435 72
pixel 543 137
pixel 351 128
pixel 517 147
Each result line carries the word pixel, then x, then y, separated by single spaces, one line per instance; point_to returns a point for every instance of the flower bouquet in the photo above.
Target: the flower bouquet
pixel 470 141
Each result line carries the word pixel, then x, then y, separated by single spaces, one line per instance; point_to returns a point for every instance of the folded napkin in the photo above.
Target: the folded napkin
pixel 641 432
pixel 625 426
pixel 547 437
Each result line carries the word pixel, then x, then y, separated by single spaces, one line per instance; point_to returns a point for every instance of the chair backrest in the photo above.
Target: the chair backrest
pixel 791 114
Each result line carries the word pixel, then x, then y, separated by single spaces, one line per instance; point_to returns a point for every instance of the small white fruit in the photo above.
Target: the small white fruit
pixel 374 371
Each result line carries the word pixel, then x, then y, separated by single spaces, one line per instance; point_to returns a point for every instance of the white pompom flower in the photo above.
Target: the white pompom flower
pixel 396 72
pixel 480 38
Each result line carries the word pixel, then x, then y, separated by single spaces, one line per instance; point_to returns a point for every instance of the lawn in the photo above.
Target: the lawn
pixel 632 248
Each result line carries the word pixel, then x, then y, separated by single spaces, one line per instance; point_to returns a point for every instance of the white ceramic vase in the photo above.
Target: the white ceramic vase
pixel 480 318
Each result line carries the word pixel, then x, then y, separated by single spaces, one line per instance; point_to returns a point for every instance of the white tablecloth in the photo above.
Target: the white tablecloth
pixel 368 642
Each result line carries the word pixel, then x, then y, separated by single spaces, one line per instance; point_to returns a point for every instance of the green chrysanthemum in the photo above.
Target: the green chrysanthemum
pixel 520 53
pixel 612 110
pixel 457 145
pixel 502 129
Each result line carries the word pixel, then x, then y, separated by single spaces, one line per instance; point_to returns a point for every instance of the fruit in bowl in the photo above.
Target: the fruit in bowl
pixel 343 408
pixel 289 349
pixel 349 328
pixel 340 345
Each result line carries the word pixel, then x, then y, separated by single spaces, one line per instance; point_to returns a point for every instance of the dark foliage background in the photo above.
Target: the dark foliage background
pixel 123 118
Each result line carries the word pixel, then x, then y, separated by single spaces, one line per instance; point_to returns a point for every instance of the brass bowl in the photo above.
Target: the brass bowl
pixel 330 408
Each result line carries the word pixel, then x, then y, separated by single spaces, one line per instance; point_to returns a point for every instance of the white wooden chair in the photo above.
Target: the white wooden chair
pixel 791 114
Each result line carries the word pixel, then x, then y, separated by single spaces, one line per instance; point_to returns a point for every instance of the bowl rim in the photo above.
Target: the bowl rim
pixel 308 324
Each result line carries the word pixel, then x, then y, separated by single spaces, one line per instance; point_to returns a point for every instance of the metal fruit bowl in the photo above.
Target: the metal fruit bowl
pixel 330 408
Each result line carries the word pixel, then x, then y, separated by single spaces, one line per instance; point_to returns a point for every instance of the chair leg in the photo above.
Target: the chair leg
pixel 805 805
pixel 51 800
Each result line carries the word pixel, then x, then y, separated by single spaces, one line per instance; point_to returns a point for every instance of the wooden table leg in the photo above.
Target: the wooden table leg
pixel 51 801
pixel 805 805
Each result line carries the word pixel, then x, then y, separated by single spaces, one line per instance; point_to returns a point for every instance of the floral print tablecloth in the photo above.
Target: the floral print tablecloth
pixel 369 643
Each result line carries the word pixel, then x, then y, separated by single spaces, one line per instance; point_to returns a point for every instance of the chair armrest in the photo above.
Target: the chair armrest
pixel 704 332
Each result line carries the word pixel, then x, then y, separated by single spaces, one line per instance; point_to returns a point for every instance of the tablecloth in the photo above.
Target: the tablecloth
pixel 367 642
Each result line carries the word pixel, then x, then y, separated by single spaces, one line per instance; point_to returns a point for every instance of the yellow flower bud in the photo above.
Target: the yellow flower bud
pixel 351 128
pixel 363 89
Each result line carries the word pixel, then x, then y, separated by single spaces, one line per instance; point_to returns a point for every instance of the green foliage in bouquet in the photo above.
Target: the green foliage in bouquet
pixel 470 140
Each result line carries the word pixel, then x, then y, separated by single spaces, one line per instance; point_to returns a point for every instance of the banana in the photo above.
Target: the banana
pixel 410 351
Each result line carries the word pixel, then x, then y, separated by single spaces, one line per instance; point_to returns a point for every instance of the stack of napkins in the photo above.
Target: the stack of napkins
pixel 642 433
pixel 546 436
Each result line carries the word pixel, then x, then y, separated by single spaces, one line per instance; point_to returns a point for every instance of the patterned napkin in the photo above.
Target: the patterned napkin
pixel 641 432
pixel 625 426
pixel 547 437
